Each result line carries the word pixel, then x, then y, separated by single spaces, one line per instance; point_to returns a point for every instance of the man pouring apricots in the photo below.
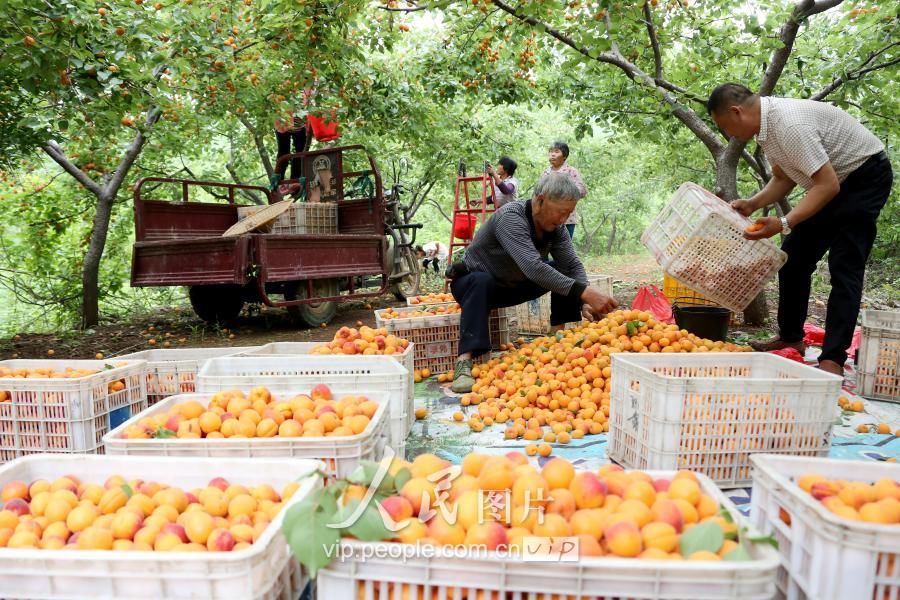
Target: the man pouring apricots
pixel 847 177
pixel 508 263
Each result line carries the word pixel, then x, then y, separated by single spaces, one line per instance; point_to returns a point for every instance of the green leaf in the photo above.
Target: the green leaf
pixel 400 479
pixel 313 542
pixel 128 491
pixel 369 526
pixel 763 539
pixel 705 536
pixel 163 433
pixel 738 554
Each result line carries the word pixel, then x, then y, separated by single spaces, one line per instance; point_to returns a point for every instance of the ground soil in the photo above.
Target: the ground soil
pixel 178 327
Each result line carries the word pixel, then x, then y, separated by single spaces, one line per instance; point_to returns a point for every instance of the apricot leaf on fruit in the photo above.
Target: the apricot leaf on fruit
pixel 369 526
pixel 402 476
pixel 306 528
pixel 738 554
pixel 705 536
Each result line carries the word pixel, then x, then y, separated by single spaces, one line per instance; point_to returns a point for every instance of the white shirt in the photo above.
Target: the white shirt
pixel 436 250
pixel 800 136
pixel 500 198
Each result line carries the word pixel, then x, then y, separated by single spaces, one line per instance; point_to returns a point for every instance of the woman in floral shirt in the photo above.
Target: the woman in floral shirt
pixel 558 153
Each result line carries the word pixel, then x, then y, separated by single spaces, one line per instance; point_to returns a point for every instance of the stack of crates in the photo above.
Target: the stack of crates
pixel 533 317
pixel 301 218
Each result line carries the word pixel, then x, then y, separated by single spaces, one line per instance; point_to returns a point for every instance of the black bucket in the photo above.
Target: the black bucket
pixel 707 322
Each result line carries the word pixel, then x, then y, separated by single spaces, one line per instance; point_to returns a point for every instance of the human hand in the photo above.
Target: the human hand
pixel 744 207
pixel 770 226
pixel 596 302
pixel 490 170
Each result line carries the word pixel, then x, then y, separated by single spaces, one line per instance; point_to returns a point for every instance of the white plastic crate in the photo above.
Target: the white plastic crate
pixel 172 371
pixel 341 455
pixel 266 570
pixel 709 412
pixel 384 575
pixel 402 414
pixel 699 239
pixel 67 415
pixel 287 374
pixel 533 317
pixel 436 337
pixel 302 218
pixel 824 556
pixel 878 357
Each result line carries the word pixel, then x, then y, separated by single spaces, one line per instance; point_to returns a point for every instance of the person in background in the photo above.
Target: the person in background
pixel 558 154
pixel 433 253
pixel 506 186
pixel 847 177
pixel 508 263
pixel 293 128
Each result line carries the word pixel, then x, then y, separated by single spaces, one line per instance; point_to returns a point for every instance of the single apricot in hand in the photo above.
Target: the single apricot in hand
pixel 753 227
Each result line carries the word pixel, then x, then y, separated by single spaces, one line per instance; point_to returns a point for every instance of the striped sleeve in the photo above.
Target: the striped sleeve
pixel 514 236
pixel 566 258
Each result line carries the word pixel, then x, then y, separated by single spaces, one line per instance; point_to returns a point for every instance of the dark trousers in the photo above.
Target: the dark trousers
pixel 284 147
pixel 570 227
pixel 434 262
pixel 478 293
pixel 845 229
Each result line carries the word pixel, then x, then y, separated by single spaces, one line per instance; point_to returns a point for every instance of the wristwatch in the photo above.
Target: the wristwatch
pixel 785 228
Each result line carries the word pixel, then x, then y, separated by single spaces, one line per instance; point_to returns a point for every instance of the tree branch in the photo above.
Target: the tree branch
pixel 260 145
pixel 861 70
pixel 416 8
pixel 654 42
pixel 54 151
pixel 131 154
pixel 788 34
pixel 684 114
pixel 440 210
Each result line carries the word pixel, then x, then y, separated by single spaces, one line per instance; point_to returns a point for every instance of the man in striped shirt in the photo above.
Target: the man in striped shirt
pixel 847 177
pixel 508 263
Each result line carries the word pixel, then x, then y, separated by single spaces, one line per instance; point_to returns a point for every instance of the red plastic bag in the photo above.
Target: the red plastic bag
pixel 813 335
pixel 854 344
pixel 651 299
pixel 464 226
pixel 322 130
pixel 790 353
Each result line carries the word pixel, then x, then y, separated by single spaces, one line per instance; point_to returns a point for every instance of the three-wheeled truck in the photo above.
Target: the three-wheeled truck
pixel 179 241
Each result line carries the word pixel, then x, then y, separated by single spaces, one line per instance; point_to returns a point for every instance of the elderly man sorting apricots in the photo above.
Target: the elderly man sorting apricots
pixel 508 263
pixel 847 177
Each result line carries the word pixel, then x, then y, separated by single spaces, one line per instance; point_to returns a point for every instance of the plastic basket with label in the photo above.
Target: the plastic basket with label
pixel 436 337
pixel 402 415
pixel 824 555
pixel 42 411
pixel 264 571
pixel 878 358
pixel 340 454
pixel 173 371
pixel 710 412
pixel 301 218
pixel 699 239
pixel 388 572
pixel 533 317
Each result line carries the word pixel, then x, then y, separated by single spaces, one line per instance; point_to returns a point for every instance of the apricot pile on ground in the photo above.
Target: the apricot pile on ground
pixel 365 340
pixel 877 502
pixel 562 382
pixel 613 512
pixel 121 514
pixel 232 414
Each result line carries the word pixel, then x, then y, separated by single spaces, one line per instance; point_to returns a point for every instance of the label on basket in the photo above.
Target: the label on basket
pixel 436 349
pixel 119 416
pixel 633 403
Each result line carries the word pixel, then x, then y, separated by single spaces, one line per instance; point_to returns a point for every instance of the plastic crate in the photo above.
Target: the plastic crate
pixel 67 415
pixel 341 455
pixel 699 239
pixel 878 358
pixel 172 371
pixel 436 338
pixel 533 317
pixel 678 291
pixel 266 570
pixel 402 414
pixel 389 573
pixel 301 218
pixel 709 412
pixel 286 374
pixel 824 556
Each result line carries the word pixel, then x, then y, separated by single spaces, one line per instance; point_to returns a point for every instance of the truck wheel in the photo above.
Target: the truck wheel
pixel 409 285
pixel 311 315
pixel 217 303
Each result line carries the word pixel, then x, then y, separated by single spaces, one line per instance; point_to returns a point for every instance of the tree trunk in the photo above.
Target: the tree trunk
pixel 90 272
pixel 612 236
